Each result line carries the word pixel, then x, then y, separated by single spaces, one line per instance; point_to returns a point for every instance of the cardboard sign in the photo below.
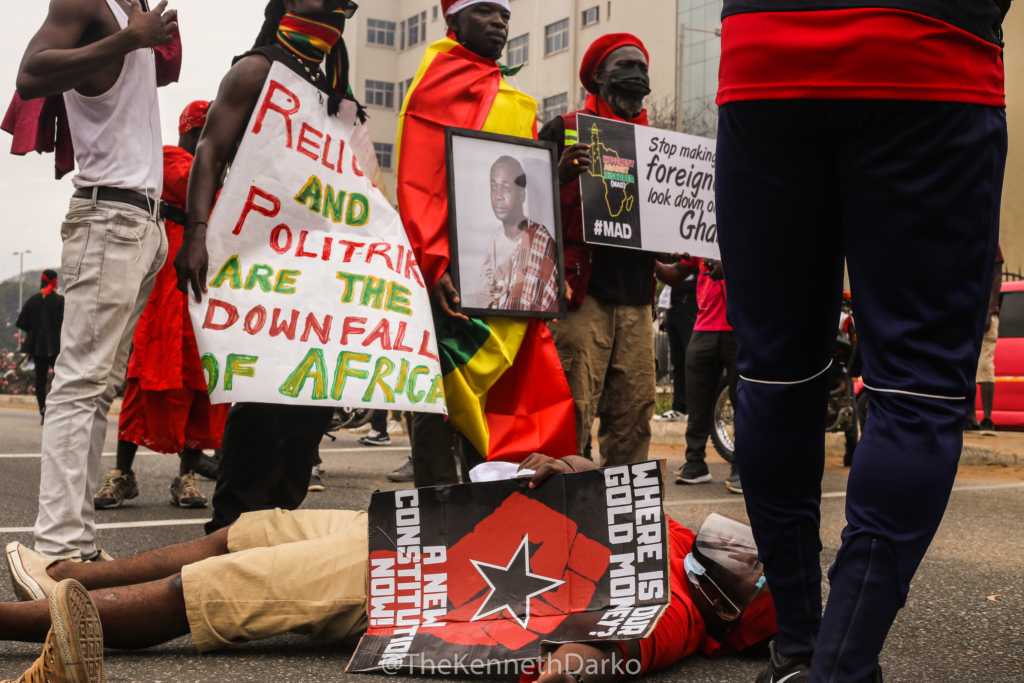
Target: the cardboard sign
pixel 314 297
pixel 487 572
pixel 649 189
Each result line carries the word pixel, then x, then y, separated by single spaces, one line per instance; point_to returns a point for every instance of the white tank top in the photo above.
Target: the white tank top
pixel 117 134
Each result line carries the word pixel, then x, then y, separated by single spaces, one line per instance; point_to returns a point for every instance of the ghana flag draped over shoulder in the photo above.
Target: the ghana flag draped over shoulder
pixel 504 384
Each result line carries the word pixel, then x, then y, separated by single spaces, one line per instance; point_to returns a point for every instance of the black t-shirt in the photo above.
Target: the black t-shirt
pixel 684 298
pixel 618 275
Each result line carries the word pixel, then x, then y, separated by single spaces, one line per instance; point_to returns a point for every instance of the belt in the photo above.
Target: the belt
pixel 133 198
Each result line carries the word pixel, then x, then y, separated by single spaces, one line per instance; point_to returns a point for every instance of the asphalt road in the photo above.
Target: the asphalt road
pixel 950 629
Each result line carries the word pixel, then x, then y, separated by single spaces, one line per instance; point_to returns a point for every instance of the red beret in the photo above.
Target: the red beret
pixel 599 51
pixel 194 116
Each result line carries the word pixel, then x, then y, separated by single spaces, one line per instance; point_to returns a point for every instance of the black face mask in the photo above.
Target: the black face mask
pixel 629 82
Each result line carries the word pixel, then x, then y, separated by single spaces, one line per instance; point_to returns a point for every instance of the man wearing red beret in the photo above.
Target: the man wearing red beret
pixel 607 343
pixel 166 405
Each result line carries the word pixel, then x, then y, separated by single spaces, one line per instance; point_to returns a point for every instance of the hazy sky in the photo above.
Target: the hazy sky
pixel 213 31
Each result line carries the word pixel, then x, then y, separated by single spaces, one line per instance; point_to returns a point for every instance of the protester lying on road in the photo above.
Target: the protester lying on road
pixel 275 571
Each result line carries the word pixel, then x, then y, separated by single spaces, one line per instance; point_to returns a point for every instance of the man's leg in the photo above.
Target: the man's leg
pixel 680 330
pixel 778 203
pixel 133 618
pixel 922 184
pixel 302 572
pixel 584 341
pixel 703 373
pixel 987 371
pixel 308 426
pixel 126 451
pixel 433 455
pixel 268 453
pixel 111 255
pixel 43 364
pixel 627 403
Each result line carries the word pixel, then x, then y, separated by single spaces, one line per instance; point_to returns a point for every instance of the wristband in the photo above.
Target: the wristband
pixel 575 674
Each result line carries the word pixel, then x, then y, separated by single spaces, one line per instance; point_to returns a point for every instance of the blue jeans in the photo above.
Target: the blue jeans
pixel 908 193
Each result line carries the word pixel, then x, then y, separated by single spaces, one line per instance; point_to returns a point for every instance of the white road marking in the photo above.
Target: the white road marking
pixel 148 452
pixel 836 494
pixel 122 525
pixel 668 503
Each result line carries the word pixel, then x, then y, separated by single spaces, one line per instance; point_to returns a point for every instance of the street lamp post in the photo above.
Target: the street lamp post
pixel 21 276
pixel 680 63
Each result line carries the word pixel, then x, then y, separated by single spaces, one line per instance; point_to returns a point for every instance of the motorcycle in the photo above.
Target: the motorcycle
pixel 843 404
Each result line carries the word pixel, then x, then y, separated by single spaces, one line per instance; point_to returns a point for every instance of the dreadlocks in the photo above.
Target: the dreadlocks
pixel 273 15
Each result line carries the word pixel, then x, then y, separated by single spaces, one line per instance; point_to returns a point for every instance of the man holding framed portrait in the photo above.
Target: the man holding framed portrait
pixel 506 393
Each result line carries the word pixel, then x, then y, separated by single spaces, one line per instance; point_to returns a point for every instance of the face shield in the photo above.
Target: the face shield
pixel 725 555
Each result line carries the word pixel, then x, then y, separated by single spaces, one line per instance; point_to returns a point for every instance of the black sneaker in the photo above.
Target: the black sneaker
pixel 988 428
pixel 208 466
pixel 695 472
pixel 316 485
pixel 732 483
pixel 972 426
pixel 783 670
pixel 403 475
pixel 375 438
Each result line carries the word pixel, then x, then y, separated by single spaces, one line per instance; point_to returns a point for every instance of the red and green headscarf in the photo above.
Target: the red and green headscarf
pixel 315 35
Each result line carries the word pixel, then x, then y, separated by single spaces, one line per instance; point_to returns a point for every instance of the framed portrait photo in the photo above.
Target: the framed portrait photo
pixel 504 225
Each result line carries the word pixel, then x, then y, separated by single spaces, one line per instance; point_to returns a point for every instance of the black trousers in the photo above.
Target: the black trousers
pixel 909 193
pixel 435 447
pixel 680 329
pixel 43 365
pixel 268 453
pixel 707 357
pixel 379 421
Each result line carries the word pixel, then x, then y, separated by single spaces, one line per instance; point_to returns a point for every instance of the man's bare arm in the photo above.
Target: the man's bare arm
pixel 595 662
pixel 54 63
pixel 225 125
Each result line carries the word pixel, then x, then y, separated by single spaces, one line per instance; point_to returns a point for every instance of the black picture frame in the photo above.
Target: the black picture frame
pixel 457 177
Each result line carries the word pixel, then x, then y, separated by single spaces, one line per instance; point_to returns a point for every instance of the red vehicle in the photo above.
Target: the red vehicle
pixel 1008 410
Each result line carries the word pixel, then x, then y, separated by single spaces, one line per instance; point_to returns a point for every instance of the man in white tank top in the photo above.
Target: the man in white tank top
pixel 99 54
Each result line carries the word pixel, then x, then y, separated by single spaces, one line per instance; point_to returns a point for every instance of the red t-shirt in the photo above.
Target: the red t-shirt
pixel 711 300
pixel 868 53
pixel 681 632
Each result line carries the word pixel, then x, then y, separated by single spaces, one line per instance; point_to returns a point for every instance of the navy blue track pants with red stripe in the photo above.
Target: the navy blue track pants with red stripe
pixel 908 193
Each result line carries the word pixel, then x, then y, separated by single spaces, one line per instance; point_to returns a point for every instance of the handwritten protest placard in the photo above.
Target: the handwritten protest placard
pixel 649 189
pixel 315 297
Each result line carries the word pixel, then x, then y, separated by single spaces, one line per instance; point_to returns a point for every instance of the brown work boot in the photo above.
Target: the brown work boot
pixel 73 652
pixel 120 486
pixel 185 492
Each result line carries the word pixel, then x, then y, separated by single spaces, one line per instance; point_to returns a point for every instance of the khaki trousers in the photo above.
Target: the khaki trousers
pixel 112 253
pixel 607 353
pixel 301 572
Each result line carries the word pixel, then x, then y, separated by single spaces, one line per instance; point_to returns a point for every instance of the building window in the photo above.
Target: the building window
pixel 591 16
pixel 417 26
pixel 403 90
pixel 556 36
pixel 436 14
pixel 519 50
pixel 402 32
pixel 608 14
pixel 385 152
pixel 555 106
pixel 380 94
pixel 380 32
